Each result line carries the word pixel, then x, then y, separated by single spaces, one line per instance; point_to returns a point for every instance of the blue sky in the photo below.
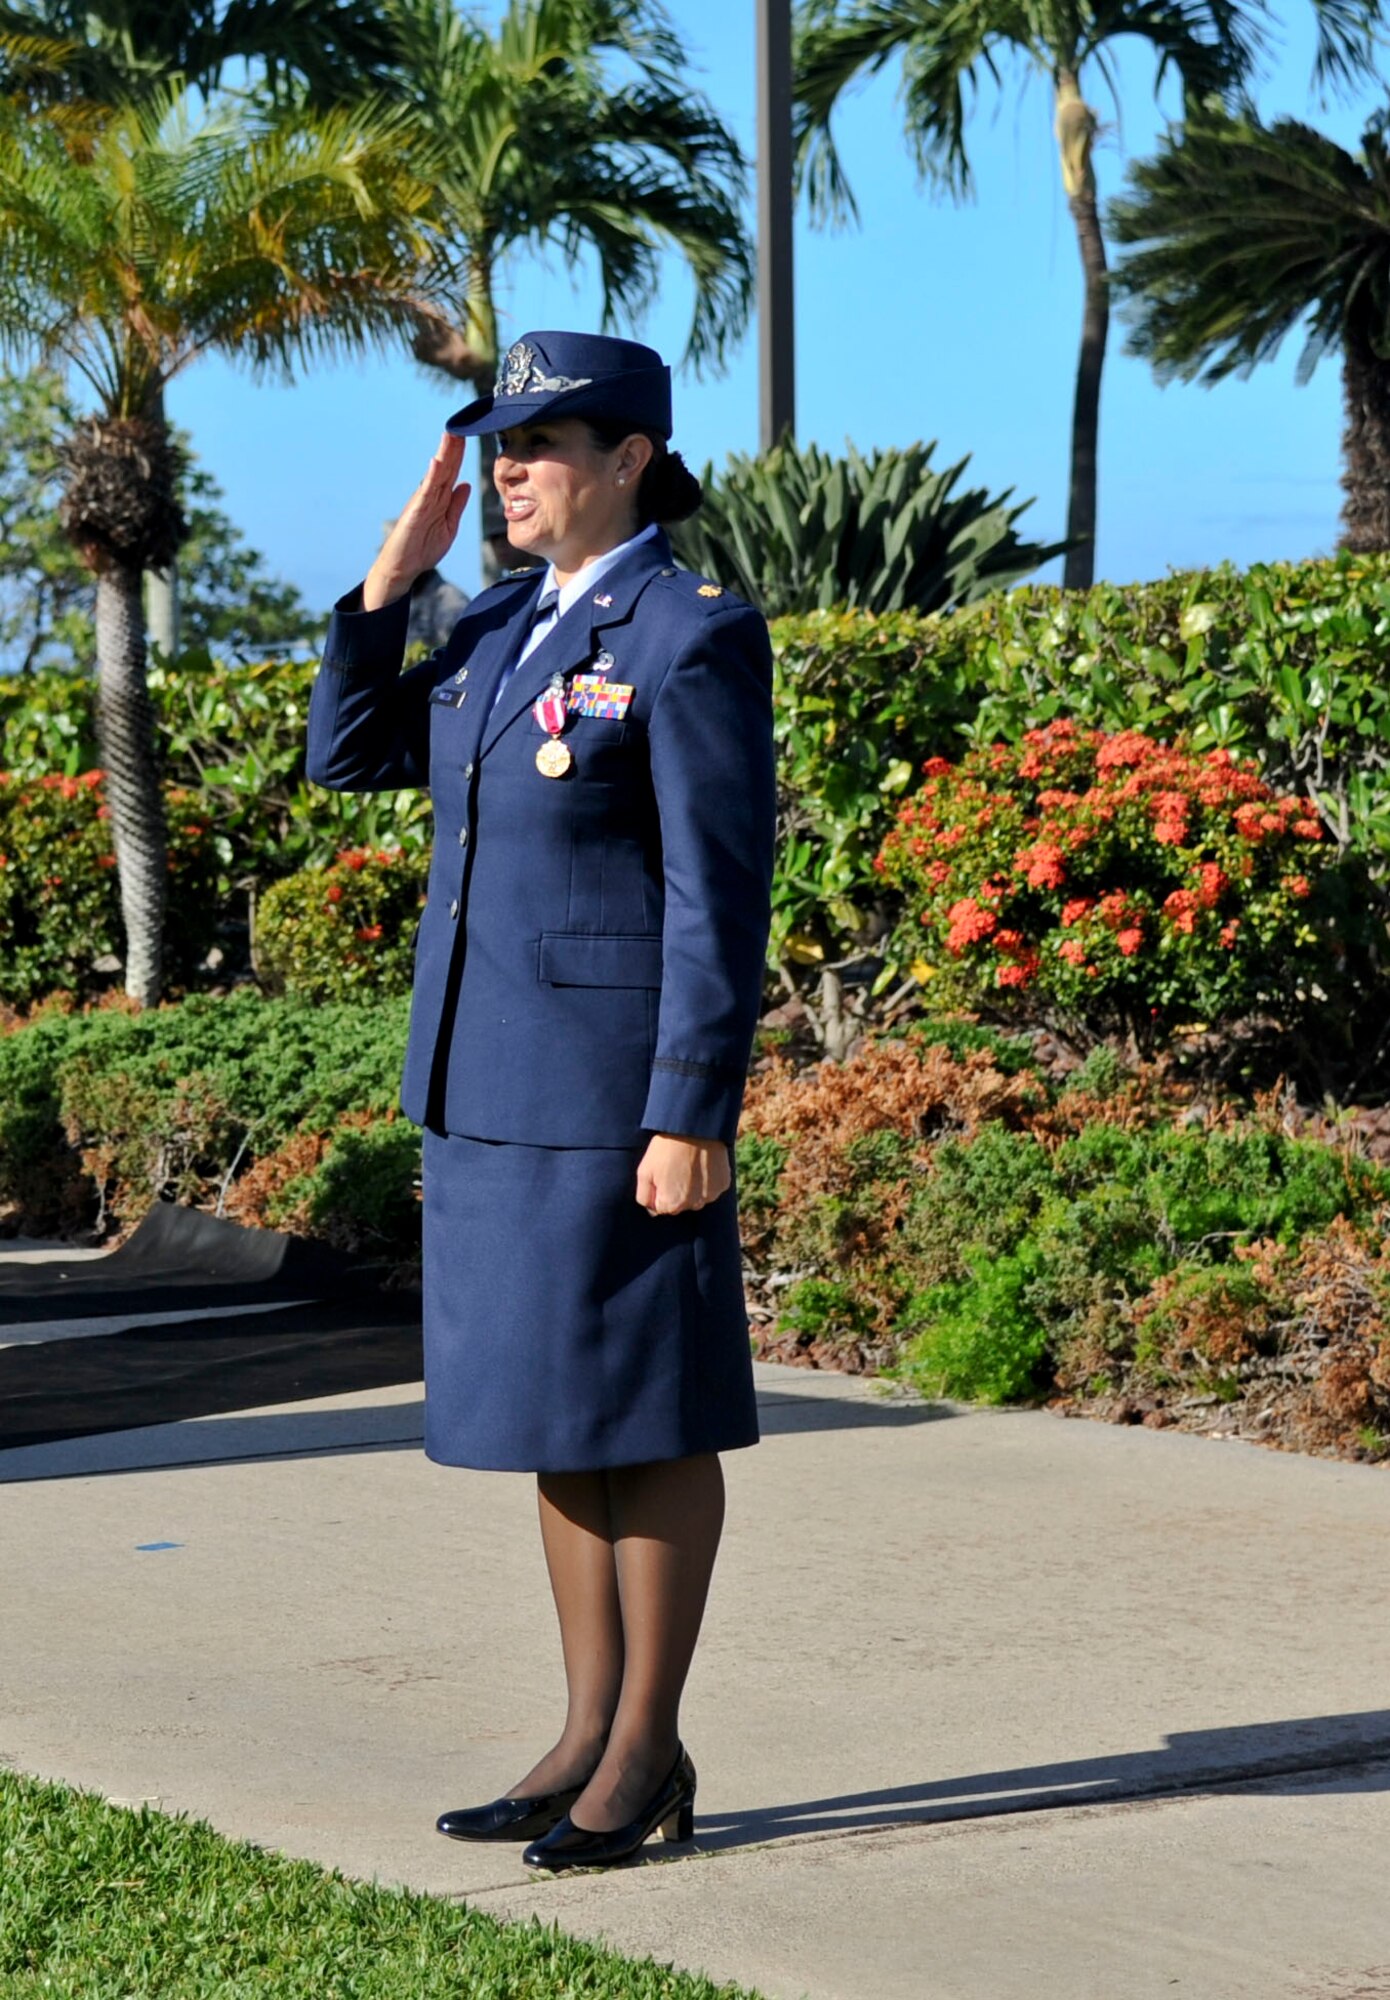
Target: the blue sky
pixel 929 321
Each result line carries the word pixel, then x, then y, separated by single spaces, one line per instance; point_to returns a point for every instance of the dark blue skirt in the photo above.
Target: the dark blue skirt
pixel 566 1330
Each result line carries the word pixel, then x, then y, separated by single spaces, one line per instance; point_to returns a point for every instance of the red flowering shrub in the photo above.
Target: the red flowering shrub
pixel 331 933
pixel 1113 877
pixel 60 908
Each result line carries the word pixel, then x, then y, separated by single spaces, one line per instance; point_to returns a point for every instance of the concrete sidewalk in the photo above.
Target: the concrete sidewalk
pixel 989 1704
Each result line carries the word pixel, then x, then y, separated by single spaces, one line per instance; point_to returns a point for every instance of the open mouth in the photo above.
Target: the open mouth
pixel 518 509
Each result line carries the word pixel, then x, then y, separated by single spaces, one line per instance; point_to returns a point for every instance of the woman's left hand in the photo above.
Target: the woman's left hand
pixel 675 1174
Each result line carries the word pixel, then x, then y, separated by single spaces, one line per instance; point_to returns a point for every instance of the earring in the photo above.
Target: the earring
pixel 622 480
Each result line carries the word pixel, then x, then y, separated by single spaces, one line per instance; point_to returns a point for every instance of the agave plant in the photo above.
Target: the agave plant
pixel 796 530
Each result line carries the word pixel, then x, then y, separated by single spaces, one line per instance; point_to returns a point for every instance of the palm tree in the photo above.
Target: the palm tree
pixel 128 252
pixel 82 58
pixel 949 45
pixel 570 125
pixel 1242 232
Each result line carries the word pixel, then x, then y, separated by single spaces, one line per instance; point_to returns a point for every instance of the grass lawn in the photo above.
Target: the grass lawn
pixel 99 1902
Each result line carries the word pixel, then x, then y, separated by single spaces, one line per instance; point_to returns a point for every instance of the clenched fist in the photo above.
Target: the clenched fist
pixel 674 1174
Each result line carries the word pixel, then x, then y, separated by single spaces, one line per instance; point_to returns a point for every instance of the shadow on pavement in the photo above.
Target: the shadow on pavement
pixel 1204 1760
pixel 782 1410
pixel 65 1389
pixel 141 1380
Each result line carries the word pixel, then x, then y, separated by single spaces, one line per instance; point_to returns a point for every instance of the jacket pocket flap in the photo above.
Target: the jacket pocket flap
pixel 571 958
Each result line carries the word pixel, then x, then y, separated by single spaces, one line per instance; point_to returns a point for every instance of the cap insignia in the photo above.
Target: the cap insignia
pixel 522 375
pixel 710 590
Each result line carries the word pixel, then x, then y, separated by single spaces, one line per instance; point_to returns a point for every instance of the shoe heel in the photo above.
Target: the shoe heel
pixel 681 1823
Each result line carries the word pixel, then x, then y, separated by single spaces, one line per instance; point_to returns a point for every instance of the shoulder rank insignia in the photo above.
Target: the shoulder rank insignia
pixel 710 590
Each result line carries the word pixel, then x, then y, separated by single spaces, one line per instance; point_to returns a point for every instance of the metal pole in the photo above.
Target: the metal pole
pixel 776 305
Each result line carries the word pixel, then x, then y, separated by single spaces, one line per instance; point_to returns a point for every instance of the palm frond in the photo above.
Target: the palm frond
pixel 832 52
pixel 1348 34
pixel 274 240
pixel 542 140
pixel 1237 232
pixel 109 50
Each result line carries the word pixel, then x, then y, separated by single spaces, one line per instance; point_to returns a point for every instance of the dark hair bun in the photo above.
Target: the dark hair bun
pixel 670 491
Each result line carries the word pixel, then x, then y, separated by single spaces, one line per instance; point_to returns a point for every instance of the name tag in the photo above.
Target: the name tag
pixel 449 696
pixel 591 694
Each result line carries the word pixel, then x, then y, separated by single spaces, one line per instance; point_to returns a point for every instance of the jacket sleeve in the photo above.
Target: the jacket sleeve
pixel 369 722
pixel 710 734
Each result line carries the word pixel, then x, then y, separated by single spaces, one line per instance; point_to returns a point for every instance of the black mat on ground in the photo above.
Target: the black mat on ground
pixel 160 1375
pixel 178 1260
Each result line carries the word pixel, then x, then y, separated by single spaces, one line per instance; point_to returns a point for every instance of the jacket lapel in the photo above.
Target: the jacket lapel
pixel 578 635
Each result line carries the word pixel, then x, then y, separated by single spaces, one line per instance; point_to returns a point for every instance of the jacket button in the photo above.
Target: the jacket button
pixel 454 908
pixel 467 771
pixel 463 836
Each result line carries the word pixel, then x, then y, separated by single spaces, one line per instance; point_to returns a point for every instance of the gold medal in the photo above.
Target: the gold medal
pixel 554 758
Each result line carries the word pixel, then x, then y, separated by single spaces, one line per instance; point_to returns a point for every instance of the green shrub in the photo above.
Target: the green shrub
pixel 1010 1054
pixel 796 530
pixel 348 929
pixel 238 734
pixel 979 1338
pixel 834 1311
pixel 1022 1252
pixel 1117 879
pixel 759 1163
pixel 1285 663
pixel 59 899
pixel 979 1199
pixel 856 706
pixel 232 733
pixel 362 1195
pixel 107 1111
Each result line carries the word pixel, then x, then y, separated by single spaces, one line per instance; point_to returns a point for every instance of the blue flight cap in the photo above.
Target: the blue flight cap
pixel 572 375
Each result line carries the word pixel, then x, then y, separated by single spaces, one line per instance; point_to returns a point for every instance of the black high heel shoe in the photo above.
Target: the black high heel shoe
pixel 672 1809
pixel 509 1819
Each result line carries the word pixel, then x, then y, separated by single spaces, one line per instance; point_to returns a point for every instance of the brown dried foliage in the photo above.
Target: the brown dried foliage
pixel 891 1086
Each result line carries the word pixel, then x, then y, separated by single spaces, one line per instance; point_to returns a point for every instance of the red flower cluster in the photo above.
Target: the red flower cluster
pixel 1080 862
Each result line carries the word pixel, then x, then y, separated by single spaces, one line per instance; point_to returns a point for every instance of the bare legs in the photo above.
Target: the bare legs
pixel 630 1554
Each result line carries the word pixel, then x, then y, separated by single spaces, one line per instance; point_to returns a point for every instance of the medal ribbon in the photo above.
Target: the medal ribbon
pixel 551 708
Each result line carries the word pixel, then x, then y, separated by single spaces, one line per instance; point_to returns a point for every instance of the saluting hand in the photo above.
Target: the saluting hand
pixel 425 532
pixel 675 1174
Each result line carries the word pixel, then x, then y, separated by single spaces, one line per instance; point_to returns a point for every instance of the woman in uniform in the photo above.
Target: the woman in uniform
pixel 597 738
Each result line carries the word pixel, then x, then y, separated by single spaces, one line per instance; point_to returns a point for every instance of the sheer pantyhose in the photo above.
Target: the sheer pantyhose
pixel 630 1553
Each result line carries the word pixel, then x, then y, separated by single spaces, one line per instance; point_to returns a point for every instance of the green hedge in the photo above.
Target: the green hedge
pixel 108 1111
pixel 60 910
pixel 233 734
pixel 1288 663
pixel 333 933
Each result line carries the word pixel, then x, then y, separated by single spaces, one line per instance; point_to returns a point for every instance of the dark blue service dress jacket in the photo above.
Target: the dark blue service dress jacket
pixel 590 958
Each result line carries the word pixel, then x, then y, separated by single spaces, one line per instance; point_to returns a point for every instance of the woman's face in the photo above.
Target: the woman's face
pixel 564 498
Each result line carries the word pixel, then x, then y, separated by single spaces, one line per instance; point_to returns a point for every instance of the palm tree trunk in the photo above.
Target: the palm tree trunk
pixel 1076 130
pixel 162 609
pixel 492 522
pixel 162 585
pixel 126 732
pixel 1365 447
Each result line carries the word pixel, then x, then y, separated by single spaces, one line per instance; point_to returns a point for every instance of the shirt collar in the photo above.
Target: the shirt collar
pixel 584 579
